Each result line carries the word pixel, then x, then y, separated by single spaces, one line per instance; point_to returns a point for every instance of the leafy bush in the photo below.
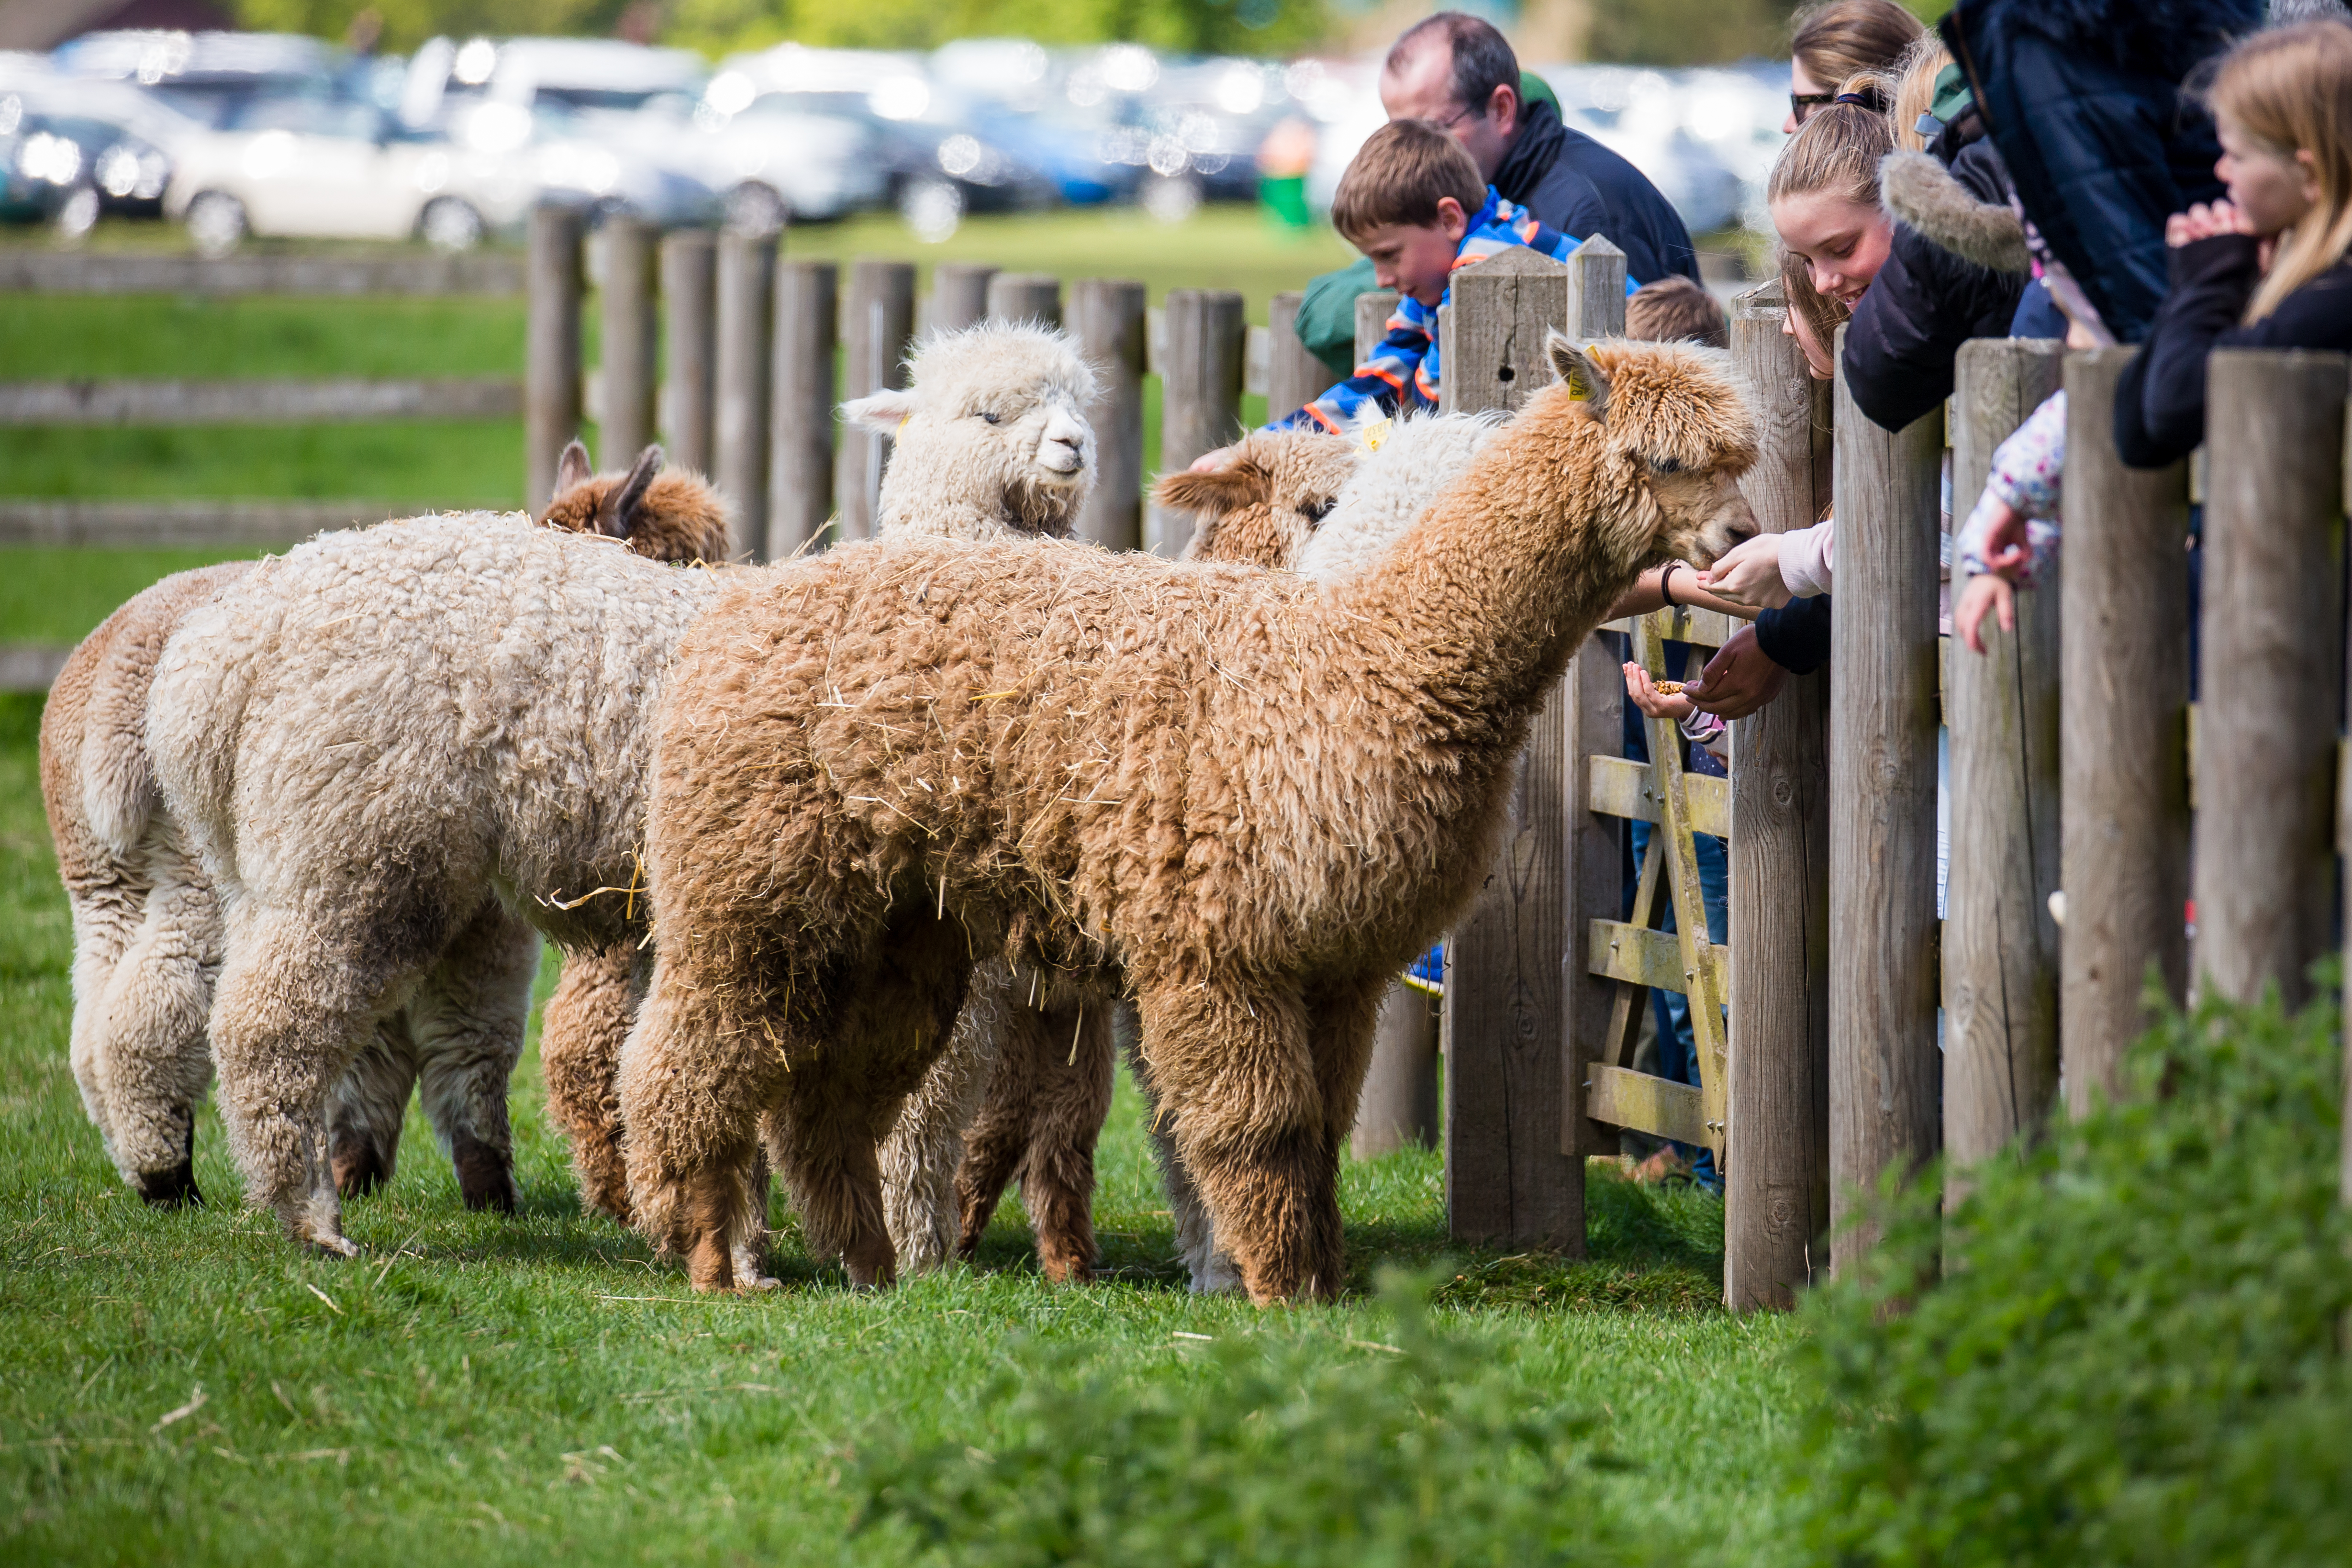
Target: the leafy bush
pixel 2129 1352
pixel 1421 1450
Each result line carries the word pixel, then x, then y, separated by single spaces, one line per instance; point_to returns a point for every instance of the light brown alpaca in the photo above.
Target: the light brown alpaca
pixel 1050 1090
pixel 1252 796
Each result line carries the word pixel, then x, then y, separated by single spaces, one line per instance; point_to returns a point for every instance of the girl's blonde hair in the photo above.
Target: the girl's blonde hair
pixel 1915 88
pixel 1839 147
pixel 2291 90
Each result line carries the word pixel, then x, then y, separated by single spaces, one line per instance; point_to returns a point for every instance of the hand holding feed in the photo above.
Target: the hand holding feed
pixel 1739 680
pixel 1646 696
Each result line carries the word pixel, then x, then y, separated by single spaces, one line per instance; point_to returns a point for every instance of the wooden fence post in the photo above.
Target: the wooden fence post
pixel 876 325
pixel 1398 1106
pixel 551 359
pixel 1776 1168
pixel 1293 376
pixel 632 344
pixel 2123 856
pixel 1200 393
pixel 2272 657
pixel 1018 296
pixel 1883 1066
pixel 2001 945
pixel 1509 1100
pixel 747 289
pixel 1107 315
pixel 959 295
pixel 800 479
pixel 689 260
pixel 1372 312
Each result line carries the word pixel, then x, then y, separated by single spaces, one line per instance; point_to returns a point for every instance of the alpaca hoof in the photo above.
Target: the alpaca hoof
pixel 333 1246
pixel 1214 1275
pixel 750 1273
pixel 359 1166
pixel 1067 1270
pixel 485 1175
pixel 172 1189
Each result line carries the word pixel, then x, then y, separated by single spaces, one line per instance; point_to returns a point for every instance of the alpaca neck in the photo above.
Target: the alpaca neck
pixel 1511 568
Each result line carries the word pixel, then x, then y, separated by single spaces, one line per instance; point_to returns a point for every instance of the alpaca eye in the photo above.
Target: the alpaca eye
pixel 1664 466
pixel 993 419
pixel 1316 511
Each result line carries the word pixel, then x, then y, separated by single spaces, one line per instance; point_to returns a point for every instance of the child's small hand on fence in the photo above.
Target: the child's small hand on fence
pixel 1750 574
pixel 2203 221
pixel 1646 696
pixel 1985 591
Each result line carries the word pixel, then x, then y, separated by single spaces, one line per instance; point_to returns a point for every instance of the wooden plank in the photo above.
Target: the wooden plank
pixel 959 295
pixel 31 271
pixel 1200 395
pixel 877 320
pixel 552 380
pixel 1398 1106
pixel 739 430
pixel 1884 1065
pixel 1596 1014
pixel 2273 651
pixel 1026 297
pixel 198 523
pixel 689 275
pixel 1373 310
pixel 1620 950
pixel 31 667
pixel 800 412
pixel 2123 854
pixel 1509 1094
pixel 1621 787
pixel 1624 1033
pixel 331 402
pixel 1107 315
pixel 630 342
pixel 1293 376
pixel 1648 1103
pixel 2001 946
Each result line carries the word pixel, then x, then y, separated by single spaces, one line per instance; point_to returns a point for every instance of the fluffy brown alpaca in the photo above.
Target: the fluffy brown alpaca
pixel 1050 1090
pixel 1251 797
pixel 146 939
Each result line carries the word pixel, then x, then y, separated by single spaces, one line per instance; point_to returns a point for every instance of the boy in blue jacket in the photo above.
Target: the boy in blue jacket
pixel 1413 202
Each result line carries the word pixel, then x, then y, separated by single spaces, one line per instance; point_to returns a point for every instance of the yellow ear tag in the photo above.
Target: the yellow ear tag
pixel 1578 388
pixel 902 424
pixel 1375 436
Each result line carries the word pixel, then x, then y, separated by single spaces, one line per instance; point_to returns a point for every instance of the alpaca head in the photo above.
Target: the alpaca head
pixel 1261 505
pixel 1676 434
pixel 992 429
pixel 665 515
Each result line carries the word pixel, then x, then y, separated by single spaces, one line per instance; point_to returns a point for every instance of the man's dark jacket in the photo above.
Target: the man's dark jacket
pixel 2084 99
pixel 1925 302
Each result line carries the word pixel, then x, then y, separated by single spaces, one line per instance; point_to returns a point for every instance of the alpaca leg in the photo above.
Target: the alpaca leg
pixel 369 1105
pixel 1071 1097
pixel 1211 1268
pixel 923 1157
pixel 1345 1019
pixel 467 1020
pixel 1234 1062
pixel 149 1045
pixel 580 1045
pixel 998 1139
pixel 106 921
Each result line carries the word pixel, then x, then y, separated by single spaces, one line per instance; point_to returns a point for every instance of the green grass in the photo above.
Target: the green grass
pixel 424 463
pixel 504 1389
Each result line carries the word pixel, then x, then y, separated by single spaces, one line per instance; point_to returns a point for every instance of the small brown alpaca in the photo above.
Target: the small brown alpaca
pixel 1050 1091
pixel 1251 797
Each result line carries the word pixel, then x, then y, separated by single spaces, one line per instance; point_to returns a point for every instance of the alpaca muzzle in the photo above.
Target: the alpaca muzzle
pixel 1062 451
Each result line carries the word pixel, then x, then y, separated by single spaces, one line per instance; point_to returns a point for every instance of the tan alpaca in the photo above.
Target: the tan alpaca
pixel 1252 796
pixel 146 934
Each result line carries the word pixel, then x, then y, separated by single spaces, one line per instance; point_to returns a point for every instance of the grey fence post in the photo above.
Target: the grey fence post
pixel 690 261
pixel 877 322
pixel 1200 391
pixel 551 356
pixel 747 286
pixel 800 500
pixel 1107 315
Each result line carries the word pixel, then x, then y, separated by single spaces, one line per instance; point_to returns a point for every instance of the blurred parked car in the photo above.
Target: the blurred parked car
pixel 206 77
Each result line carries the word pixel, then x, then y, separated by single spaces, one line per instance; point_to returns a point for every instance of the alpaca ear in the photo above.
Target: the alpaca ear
pixel 1587 382
pixel 618 516
pixel 1215 493
pixel 883 411
pixel 572 467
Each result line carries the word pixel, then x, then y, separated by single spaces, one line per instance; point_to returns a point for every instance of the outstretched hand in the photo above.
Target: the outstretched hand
pixel 1739 680
pixel 1644 695
pixel 1749 572
pixel 1986 590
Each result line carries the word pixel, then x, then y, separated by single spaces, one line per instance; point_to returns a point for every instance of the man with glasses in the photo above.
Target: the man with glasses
pixel 1459 74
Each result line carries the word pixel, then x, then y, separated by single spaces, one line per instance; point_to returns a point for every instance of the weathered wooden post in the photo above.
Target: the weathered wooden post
pixel 746 285
pixel 551 356
pixel 632 344
pixel 690 261
pixel 1512 1172
pixel 1884 1065
pixel 1776 1168
pixel 1292 374
pixel 1020 296
pixel 1398 1106
pixel 1373 313
pixel 2273 659
pixel 799 477
pixel 959 295
pixel 877 321
pixel 2000 944
pixel 1107 315
pixel 2123 856
pixel 1200 393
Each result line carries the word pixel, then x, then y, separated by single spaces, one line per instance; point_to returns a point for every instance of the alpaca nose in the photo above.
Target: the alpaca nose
pixel 1064 448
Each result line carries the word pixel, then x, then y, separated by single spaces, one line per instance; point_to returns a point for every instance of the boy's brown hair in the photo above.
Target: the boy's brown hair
pixel 1400 175
pixel 1676 308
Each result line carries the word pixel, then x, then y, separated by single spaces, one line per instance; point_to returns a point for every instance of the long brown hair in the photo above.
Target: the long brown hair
pixel 1841 39
pixel 2290 88
pixel 1839 148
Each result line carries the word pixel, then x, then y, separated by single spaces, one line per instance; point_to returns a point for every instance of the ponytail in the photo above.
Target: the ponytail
pixel 1838 149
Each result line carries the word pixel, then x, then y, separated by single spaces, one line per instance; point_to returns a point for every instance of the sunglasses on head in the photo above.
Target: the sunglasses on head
pixel 1801 104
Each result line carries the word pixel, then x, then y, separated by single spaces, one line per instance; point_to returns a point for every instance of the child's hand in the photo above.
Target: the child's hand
pixel 1985 591
pixel 1211 461
pixel 2203 221
pixel 1646 696
pixel 1750 574
pixel 2007 549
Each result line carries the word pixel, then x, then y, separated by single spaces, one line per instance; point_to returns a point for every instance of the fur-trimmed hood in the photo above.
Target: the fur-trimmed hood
pixel 1923 195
